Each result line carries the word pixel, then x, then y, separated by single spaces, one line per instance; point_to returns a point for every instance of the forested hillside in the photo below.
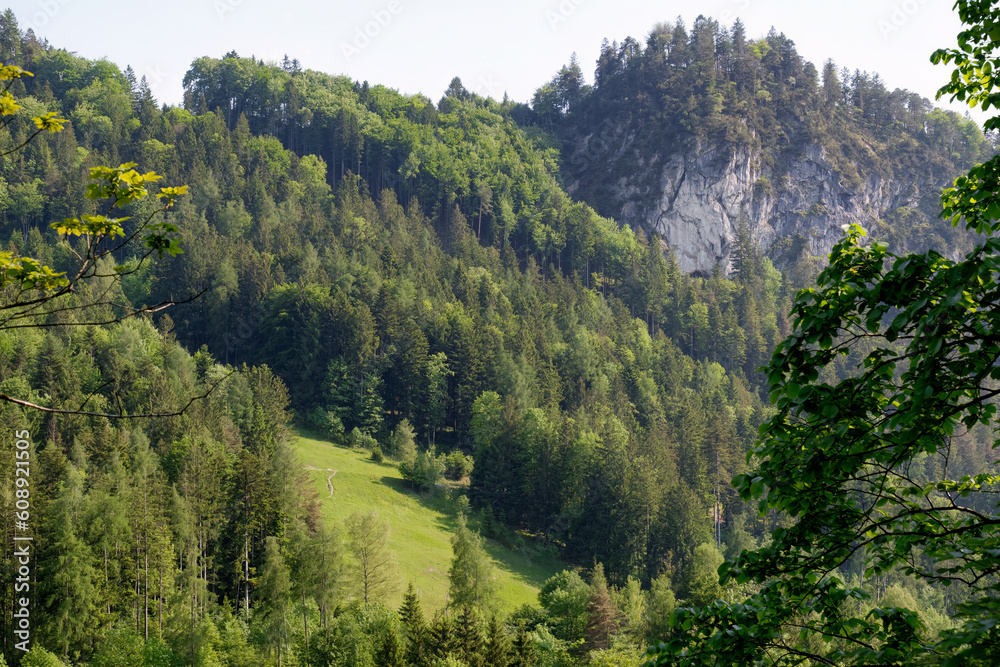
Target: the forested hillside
pixel 410 277
pixel 688 132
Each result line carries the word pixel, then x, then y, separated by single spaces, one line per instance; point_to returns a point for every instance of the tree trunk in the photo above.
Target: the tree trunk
pixel 145 576
pixel 305 624
pixel 246 571
pixel 138 603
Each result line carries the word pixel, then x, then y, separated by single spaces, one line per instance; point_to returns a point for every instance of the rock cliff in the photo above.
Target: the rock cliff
pixel 693 197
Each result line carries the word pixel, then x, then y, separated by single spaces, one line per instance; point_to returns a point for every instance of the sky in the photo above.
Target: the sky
pixel 513 47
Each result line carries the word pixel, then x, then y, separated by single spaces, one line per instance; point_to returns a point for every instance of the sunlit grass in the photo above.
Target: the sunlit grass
pixel 421 526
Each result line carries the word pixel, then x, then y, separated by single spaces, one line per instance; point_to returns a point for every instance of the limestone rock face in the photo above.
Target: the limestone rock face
pixel 694 198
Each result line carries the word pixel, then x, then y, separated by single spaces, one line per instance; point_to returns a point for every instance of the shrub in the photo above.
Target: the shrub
pixel 401 445
pixel 425 470
pixel 457 465
pixel 358 439
pixel 762 187
pixel 39 657
pixel 326 423
pixel 377 456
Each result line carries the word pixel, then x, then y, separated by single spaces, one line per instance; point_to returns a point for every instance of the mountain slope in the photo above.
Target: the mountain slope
pixel 420 524
pixel 685 134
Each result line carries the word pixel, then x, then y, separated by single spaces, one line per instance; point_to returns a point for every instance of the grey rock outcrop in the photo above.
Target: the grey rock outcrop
pixel 694 198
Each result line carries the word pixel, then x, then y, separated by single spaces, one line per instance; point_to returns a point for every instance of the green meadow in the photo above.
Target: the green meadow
pixel 420 525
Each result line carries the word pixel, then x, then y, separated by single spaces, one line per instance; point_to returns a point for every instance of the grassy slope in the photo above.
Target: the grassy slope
pixel 421 526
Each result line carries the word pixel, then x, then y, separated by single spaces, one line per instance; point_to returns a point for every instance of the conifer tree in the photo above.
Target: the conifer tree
pixel 472 574
pixel 104 525
pixel 604 620
pixel 375 565
pixel 147 495
pixel 745 258
pixel 523 649
pixel 273 596
pixel 390 651
pixel 69 579
pixel 469 638
pixel 442 642
pixel 498 650
pixel 416 629
pixel 321 569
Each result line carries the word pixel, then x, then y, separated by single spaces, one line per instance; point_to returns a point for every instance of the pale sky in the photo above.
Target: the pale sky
pixel 514 46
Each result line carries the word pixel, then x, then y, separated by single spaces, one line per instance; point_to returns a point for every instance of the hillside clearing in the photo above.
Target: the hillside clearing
pixel 420 524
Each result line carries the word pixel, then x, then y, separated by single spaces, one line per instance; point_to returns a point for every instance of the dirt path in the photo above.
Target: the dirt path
pixel 329 480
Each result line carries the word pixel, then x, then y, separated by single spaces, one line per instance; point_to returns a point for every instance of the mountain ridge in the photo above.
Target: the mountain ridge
pixel 681 136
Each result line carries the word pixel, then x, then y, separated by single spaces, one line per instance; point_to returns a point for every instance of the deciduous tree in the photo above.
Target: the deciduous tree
pixel 87 293
pixel 848 461
pixel 374 562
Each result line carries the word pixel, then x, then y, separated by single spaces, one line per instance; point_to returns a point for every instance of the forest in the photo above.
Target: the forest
pixel 411 278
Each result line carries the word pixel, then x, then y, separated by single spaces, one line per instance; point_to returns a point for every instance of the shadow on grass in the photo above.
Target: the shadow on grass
pixel 529 566
pixel 435 500
pixel 533 570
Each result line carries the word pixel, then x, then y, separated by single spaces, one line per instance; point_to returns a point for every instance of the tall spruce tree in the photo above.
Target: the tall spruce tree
pixel 497 651
pixel 390 652
pixel 442 642
pixel 472 575
pixel 273 596
pixel 604 620
pixel 469 638
pixel 69 578
pixel 416 629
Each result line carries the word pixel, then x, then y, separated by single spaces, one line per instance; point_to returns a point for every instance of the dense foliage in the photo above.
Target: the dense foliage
pixel 716 91
pixel 394 274
pixel 866 465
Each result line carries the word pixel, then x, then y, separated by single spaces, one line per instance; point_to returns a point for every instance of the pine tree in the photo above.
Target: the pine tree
pixel 273 594
pixel 416 629
pixel 603 618
pixel 472 576
pixel 441 638
pixel 390 651
pixel 498 650
pixel 469 639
